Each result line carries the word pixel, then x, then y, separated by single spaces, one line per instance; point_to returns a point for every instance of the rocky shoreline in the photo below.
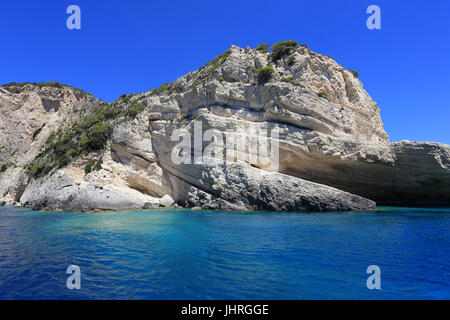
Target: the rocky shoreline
pixel 63 149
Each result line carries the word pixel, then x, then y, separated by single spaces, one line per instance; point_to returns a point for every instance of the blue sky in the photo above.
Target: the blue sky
pixel 134 46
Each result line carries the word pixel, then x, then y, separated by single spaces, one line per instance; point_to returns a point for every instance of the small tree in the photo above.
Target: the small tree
pixel 88 168
pixel 291 61
pixel 282 48
pixel 98 165
pixel 265 74
pixel 264 47
pixel 355 73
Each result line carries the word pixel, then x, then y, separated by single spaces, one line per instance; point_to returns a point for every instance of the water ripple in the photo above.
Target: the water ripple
pixel 181 254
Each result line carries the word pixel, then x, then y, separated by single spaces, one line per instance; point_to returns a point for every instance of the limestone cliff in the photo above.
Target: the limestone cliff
pixel 28 114
pixel 333 151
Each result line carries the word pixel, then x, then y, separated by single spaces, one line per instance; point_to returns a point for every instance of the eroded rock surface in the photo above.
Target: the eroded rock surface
pixel 28 115
pixel 334 154
pixel 61 192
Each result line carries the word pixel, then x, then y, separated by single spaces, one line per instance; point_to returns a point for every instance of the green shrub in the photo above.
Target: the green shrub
pixel 164 87
pixel 90 133
pixel 197 82
pixel 217 62
pixel 38 169
pixel 282 48
pixel 323 94
pixel 264 74
pixel 355 73
pixel 135 109
pixel 264 47
pixel 211 66
pixel 98 165
pixel 291 81
pixel 291 61
pixel 3 168
pixel 54 84
pixel 183 116
pixel 126 97
pixel 88 168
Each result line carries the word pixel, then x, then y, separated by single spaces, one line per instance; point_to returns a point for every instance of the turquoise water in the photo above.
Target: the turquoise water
pixel 182 254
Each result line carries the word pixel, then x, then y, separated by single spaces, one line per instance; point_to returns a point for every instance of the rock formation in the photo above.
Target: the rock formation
pixel 333 151
pixel 28 114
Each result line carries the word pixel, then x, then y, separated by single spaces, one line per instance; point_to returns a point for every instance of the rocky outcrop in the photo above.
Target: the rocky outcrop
pixel 238 186
pixel 333 151
pixel 61 192
pixel 400 174
pixel 166 201
pixel 232 90
pixel 132 157
pixel 338 142
pixel 28 115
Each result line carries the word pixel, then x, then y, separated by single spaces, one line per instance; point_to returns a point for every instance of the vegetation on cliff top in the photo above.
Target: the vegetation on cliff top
pixel 48 84
pixel 210 67
pixel 280 49
pixel 354 72
pixel 264 48
pixel 277 51
pixel 217 62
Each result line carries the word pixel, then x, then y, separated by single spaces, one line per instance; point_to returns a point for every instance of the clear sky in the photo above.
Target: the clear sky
pixel 136 45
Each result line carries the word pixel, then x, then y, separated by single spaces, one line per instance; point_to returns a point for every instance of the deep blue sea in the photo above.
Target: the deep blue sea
pixel 183 254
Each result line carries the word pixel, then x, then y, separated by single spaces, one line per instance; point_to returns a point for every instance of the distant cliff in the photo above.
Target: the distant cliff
pixel 61 148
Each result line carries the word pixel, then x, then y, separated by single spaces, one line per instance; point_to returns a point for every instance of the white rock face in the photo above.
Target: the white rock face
pixel 339 141
pixel 133 159
pixel 399 174
pixel 239 186
pixel 348 112
pixel 28 114
pixel 61 192
pixel 333 151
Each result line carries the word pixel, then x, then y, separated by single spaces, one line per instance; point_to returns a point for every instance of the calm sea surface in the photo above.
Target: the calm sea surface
pixel 182 254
